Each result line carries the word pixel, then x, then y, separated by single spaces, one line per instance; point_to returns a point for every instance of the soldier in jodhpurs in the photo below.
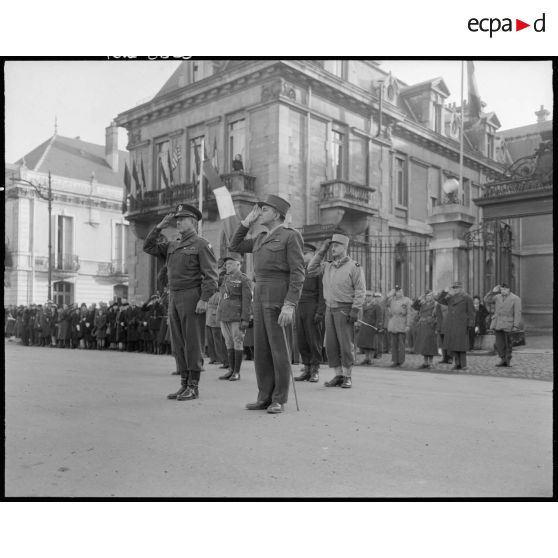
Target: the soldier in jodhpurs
pixel 279 275
pixel 192 276
pixel 233 314
pixel 310 322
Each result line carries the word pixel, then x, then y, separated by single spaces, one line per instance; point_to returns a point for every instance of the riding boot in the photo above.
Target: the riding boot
pixel 231 359
pixel 237 364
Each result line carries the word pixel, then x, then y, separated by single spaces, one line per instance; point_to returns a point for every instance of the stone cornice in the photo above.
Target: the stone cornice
pixel 302 73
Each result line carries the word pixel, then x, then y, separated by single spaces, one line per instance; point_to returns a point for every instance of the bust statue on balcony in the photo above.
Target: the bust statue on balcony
pixel 237 164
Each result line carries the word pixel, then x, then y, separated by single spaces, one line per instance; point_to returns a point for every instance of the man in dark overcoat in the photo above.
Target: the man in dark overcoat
pixel 279 272
pixel 460 317
pixel 192 275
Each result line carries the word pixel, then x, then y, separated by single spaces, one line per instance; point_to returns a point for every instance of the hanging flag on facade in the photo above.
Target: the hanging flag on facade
pixel 197 158
pixel 225 204
pixel 214 159
pixel 144 187
pixel 127 178
pixel 473 97
pixel 136 178
pixel 170 167
pixel 163 171
pixel 176 156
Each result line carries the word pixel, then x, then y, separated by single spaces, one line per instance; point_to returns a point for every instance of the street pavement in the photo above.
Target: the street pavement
pixel 98 424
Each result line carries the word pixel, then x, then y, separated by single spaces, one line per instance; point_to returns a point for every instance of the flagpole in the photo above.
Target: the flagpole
pixel 200 187
pixel 461 135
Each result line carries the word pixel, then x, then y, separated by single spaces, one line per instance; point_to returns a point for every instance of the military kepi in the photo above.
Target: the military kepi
pixel 187 210
pixel 341 239
pixel 277 202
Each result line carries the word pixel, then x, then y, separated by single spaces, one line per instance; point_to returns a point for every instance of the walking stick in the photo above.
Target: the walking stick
pixel 290 366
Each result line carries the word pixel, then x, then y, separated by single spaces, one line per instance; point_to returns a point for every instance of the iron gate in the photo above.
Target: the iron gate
pixel 387 261
pixel 490 256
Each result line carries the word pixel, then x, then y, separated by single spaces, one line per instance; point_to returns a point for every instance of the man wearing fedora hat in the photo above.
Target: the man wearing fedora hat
pixel 344 293
pixel 192 277
pixel 309 322
pixel 460 317
pixel 233 314
pixel 279 275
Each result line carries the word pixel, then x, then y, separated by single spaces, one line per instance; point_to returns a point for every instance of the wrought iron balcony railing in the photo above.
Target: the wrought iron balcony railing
pixel 345 191
pixel 189 193
pixel 115 267
pixel 65 262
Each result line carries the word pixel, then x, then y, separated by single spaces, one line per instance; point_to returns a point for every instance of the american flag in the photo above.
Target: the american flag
pixel 176 156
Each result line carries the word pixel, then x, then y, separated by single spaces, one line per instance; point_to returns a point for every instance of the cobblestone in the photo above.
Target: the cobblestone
pixel 534 366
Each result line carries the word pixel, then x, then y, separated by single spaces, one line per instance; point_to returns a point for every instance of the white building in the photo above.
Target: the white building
pixel 89 233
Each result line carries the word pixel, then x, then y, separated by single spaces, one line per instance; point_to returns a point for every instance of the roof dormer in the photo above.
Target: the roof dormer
pixel 426 101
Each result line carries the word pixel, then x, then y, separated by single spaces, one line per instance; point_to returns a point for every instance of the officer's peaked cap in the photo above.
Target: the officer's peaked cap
pixel 187 210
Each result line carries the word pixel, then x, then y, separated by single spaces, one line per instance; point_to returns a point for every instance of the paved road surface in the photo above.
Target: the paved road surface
pixel 97 424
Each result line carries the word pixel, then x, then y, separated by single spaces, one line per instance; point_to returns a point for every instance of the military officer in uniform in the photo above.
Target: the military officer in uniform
pixel 233 313
pixel 279 275
pixel 192 278
pixel 344 292
pixel 309 322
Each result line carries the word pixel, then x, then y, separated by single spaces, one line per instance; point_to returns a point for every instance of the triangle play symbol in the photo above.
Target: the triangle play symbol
pixel 519 25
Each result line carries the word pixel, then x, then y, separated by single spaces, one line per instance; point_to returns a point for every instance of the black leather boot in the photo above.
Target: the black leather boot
pixel 191 391
pixel 183 386
pixel 230 372
pixel 237 364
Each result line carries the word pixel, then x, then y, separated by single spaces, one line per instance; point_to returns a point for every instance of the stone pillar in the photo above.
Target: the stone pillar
pixel 449 223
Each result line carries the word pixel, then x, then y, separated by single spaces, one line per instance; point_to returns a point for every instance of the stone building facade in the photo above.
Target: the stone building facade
pixel 89 231
pixel 350 145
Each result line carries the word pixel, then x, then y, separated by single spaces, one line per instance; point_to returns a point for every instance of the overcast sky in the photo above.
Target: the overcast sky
pixel 86 95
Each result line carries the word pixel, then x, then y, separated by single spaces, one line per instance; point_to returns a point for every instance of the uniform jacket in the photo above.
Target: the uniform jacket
pixel 343 281
pixel 277 259
pixel 426 327
pixel 507 312
pixel 235 303
pixel 190 261
pixel 211 312
pixel 313 292
pixel 460 317
pixel 399 315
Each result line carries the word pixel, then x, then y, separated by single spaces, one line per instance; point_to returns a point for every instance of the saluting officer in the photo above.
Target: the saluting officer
pixel 192 276
pixel 233 314
pixel 309 322
pixel 344 292
pixel 279 274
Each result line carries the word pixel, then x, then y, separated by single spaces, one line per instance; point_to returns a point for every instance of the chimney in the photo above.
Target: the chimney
pixel 542 114
pixel 111 146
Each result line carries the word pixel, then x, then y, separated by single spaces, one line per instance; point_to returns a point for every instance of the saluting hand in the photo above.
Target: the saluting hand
pixel 201 307
pixel 324 247
pixel 167 220
pixel 253 216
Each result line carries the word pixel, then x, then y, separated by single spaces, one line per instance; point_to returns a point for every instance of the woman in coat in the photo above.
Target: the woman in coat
pixel 479 329
pixel 425 338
